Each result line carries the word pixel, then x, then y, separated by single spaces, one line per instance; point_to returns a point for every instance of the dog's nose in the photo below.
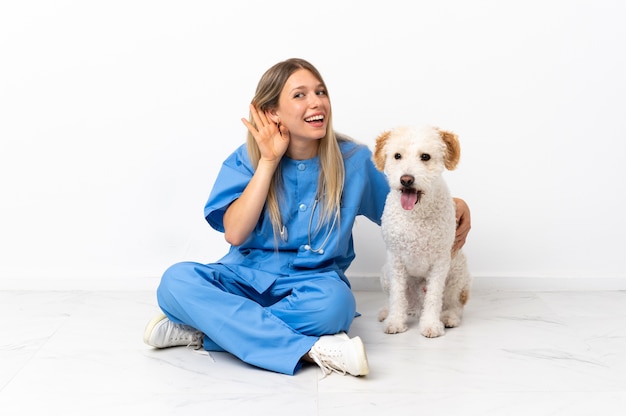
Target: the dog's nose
pixel 407 180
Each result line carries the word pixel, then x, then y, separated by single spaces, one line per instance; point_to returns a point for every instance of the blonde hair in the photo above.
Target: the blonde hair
pixel 332 173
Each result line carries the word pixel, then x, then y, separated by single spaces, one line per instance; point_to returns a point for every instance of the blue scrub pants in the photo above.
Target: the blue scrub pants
pixel 270 330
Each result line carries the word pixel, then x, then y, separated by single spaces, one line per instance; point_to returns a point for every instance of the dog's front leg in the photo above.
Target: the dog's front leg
pixel 384 283
pixel 430 324
pixel 396 320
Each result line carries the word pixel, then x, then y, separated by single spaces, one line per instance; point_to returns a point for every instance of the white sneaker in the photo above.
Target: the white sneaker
pixel 163 333
pixel 341 354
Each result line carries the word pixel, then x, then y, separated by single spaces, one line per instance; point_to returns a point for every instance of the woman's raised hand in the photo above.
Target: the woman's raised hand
pixel 272 138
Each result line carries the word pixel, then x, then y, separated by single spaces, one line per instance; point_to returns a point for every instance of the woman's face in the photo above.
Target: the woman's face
pixel 303 106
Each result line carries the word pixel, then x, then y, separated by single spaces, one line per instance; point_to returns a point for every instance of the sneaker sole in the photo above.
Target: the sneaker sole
pixel 364 367
pixel 150 327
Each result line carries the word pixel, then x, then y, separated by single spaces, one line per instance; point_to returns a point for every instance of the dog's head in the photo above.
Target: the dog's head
pixel 412 158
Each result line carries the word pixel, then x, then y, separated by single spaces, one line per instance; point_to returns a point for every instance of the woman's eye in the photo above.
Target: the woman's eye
pixel 397 156
pixel 425 157
pixel 321 92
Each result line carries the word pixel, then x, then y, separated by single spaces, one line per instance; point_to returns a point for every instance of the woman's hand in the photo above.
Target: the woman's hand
pixel 271 137
pixel 463 223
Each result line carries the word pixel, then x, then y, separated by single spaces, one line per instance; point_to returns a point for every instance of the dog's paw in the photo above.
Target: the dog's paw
pixel 395 328
pixel 450 319
pixel 432 330
pixel 382 314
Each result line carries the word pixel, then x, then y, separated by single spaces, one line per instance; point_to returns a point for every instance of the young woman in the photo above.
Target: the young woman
pixel 286 201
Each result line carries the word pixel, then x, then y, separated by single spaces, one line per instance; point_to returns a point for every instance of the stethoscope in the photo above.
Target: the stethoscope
pixel 308 247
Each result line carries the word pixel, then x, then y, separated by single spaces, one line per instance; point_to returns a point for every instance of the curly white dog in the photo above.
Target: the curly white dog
pixel 422 275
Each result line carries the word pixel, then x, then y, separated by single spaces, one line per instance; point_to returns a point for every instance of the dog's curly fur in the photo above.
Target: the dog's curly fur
pixel 422 275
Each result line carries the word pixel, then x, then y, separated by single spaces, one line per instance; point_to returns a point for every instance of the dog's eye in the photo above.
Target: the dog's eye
pixel 397 156
pixel 425 157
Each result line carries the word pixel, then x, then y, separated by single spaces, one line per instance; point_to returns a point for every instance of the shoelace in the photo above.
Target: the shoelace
pixel 179 331
pixel 324 363
pixel 196 345
pixel 196 340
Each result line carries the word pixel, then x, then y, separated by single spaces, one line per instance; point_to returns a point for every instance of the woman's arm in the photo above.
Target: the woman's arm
pixel 463 223
pixel 243 214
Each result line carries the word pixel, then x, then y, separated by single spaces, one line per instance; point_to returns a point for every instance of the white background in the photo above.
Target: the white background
pixel 116 115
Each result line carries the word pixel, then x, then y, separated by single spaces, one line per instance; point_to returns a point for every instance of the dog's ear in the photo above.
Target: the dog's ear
pixel 379 151
pixel 453 149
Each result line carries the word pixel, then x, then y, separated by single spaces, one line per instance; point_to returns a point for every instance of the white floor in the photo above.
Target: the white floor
pixel 518 352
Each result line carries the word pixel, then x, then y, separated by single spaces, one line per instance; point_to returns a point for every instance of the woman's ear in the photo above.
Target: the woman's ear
pixel 273 115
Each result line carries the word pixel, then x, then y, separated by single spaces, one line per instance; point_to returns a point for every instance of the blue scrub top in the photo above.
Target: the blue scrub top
pixel 261 259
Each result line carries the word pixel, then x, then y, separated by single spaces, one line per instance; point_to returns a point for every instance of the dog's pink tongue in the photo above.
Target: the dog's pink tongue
pixel 408 199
